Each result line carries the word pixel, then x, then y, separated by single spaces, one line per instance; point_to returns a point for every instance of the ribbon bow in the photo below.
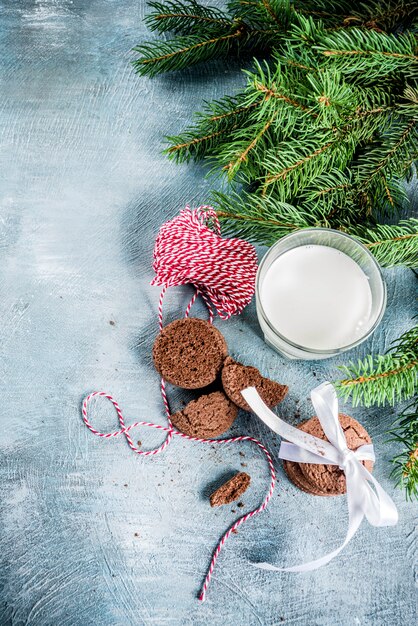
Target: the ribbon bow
pixel 362 501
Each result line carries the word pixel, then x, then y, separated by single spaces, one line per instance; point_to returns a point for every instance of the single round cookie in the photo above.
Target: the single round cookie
pixel 207 417
pixel 236 377
pixel 330 478
pixel 189 353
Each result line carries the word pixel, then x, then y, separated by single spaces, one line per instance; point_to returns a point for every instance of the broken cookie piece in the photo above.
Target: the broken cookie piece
pixel 231 490
pixel 236 377
pixel 208 416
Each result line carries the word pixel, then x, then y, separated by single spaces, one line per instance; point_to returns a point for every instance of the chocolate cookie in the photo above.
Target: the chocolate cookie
pixel 295 475
pixel 189 353
pixel 207 417
pixel 236 377
pixel 231 490
pixel 330 478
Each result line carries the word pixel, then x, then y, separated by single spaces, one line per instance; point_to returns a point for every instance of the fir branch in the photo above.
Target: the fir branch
pixel 269 6
pixel 408 105
pixel 391 154
pixel 380 16
pixel 405 431
pixel 391 245
pixel 183 51
pixel 302 161
pixel 189 146
pixel 185 17
pixel 368 53
pixel 332 191
pixel 211 127
pixel 272 92
pixel 383 379
pixel 294 165
pixel 262 12
pixel 242 155
pixel 263 220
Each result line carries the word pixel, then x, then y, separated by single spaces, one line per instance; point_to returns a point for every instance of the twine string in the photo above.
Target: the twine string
pixel 189 249
pixel 125 430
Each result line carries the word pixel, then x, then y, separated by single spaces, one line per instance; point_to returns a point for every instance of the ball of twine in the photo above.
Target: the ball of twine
pixel 190 249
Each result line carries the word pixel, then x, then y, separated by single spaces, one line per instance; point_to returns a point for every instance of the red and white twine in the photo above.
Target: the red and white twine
pixel 190 249
pixel 195 250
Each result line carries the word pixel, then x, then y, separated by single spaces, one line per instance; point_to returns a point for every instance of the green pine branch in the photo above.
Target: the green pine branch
pixel 368 53
pixel 186 17
pixel 203 33
pixel 262 220
pixel 383 379
pixel 211 128
pixel 183 51
pixel 391 154
pixel 391 244
pixel 405 432
pixel 261 13
pixel 380 16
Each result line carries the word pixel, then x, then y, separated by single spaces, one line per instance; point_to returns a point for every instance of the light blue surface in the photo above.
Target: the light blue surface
pixel 90 533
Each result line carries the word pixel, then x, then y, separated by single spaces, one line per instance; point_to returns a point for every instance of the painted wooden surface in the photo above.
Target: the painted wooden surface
pixel 91 534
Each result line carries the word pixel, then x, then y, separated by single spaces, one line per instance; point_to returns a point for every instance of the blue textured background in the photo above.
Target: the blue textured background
pixel 90 533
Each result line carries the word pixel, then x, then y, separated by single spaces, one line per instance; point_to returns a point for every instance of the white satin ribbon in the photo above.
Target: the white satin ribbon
pixel 362 500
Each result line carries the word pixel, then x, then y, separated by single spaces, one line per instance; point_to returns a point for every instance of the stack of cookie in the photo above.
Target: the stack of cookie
pixel 192 354
pixel 327 480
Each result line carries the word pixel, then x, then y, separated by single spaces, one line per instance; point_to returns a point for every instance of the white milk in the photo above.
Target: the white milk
pixel 317 297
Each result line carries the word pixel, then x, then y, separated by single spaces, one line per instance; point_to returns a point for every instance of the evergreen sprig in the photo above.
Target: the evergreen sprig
pixel 391 244
pixel 247 214
pixel 204 33
pixel 185 17
pixel 369 54
pixel 405 432
pixel 383 379
pixel 163 56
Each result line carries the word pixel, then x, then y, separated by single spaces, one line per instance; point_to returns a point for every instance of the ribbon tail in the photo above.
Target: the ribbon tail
pixel 355 517
pixel 379 508
pixel 323 560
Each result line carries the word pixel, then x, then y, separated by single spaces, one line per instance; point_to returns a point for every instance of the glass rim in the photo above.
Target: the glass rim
pixel 331 351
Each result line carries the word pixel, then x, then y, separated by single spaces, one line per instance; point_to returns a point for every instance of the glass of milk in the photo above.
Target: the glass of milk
pixel 319 292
